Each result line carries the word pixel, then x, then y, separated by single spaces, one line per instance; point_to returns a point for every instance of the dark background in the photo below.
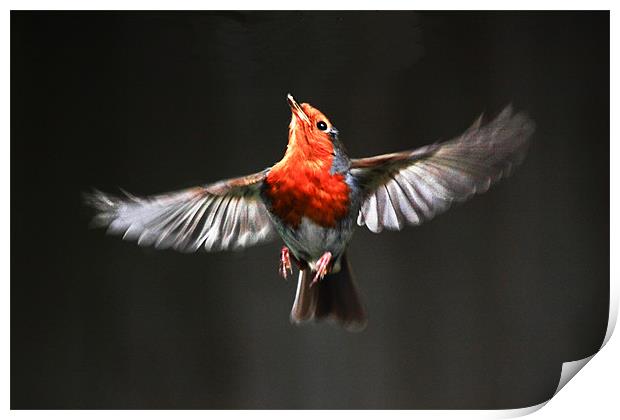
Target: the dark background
pixel 477 309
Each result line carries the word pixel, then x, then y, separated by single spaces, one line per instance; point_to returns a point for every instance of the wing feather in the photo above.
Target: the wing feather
pixel 413 186
pixel 225 215
pixel 371 215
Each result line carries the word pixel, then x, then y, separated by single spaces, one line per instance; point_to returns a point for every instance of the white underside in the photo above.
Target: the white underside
pixel 315 240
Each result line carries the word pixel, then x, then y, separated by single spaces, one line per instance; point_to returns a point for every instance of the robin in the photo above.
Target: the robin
pixel 316 196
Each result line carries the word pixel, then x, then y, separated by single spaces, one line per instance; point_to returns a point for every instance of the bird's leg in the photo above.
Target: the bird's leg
pixel 322 266
pixel 285 263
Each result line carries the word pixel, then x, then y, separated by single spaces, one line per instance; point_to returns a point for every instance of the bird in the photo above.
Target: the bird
pixel 314 199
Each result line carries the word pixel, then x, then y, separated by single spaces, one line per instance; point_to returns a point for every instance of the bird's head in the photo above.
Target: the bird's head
pixel 310 130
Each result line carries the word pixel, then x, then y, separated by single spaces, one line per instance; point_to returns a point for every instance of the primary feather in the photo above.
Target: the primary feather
pixel 225 215
pixel 413 186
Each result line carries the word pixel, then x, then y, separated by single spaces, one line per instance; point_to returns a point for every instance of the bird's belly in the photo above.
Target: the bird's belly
pixel 310 241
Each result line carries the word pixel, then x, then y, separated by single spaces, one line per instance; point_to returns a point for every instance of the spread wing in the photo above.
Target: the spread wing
pixel 413 186
pixel 225 215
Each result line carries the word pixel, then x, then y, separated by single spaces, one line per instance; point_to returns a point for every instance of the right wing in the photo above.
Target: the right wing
pixel 224 215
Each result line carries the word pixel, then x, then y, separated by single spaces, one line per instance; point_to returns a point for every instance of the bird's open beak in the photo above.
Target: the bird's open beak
pixel 297 110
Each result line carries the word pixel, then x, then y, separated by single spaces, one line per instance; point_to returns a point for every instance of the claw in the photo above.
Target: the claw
pixel 322 266
pixel 285 263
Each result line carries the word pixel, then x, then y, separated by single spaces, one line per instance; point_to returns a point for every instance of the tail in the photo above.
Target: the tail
pixel 335 298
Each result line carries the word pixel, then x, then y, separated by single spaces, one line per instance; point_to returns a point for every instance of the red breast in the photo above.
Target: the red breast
pixel 301 184
pixel 298 191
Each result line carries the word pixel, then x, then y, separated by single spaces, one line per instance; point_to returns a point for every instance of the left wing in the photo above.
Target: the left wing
pixel 225 215
pixel 413 186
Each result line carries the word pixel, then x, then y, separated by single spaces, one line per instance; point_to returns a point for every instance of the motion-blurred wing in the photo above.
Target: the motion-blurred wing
pixel 225 215
pixel 413 186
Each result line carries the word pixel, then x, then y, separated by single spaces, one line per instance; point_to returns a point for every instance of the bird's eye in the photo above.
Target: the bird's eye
pixel 321 125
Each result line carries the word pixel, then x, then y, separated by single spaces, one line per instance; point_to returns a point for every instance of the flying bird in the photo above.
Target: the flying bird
pixel 314 198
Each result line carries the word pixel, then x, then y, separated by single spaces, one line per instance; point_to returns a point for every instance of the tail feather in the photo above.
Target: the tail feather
pixel 335 297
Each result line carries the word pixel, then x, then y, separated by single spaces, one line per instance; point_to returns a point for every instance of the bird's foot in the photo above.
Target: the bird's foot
pixel 285 263
pixel 322 266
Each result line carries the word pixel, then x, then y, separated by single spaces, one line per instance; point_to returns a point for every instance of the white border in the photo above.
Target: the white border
pixel 593 393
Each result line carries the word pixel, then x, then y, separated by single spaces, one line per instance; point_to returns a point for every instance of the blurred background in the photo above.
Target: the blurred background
pixel 476 309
